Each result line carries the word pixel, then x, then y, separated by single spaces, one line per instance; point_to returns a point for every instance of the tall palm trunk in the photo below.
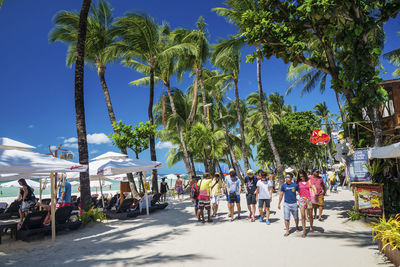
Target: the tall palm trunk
pixel 195 99
pixel 80 105
pixel 203 96
pixel 375 117
pixel 181 139
pixel 228 162
pixel 235 163
pixel 277 158
pixel 101 69
pixel 340 107
pixel 241 127
pixel 192 162
pixel 153 155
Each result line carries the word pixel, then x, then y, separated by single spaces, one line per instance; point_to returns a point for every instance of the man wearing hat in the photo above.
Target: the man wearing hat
pixel 251 197
pixel 233 188
pixel 291 170
pixel 318 200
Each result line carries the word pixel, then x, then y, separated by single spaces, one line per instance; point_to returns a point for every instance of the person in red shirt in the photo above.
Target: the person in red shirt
pixel 318 200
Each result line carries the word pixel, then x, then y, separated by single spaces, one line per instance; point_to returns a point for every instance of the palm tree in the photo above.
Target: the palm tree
pixel 227 58
pixel 234 16
pixel 169 133
pixel 99 40
pixel 310 77
pixel 166 68
pixel 80 105
pixel 143 39
pixel 323 113
pixel 394 58
pixel 199 55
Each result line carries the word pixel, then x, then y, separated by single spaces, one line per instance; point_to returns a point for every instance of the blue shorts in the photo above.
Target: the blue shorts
pixel 237 200
pixel 290 208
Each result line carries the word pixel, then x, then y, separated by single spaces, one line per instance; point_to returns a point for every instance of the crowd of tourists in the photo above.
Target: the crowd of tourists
pixel 304 191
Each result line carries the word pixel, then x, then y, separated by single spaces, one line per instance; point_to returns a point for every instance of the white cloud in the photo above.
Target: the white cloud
pixel 98 138
pixel 71 140
pixel 40 145
pixel 31 126
pixel 71 145
pixel 162 145
pixel 53 147
pixel 94 151
pixel 60 137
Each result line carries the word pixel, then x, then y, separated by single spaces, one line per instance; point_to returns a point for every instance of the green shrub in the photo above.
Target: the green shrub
pixel 354 215
pixel 92 215
pixel 388 231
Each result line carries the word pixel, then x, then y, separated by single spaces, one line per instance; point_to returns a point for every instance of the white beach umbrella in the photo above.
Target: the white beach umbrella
pixel 19 161
pixel 7 143
pixel 16 176
pixel 115 167
pixel 16 184
pixel 110 155
pixel 92 183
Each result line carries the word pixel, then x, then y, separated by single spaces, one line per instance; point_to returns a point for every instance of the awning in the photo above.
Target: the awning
pixel 385 152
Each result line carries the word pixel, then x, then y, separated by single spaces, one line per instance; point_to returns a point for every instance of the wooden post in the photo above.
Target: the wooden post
pixel 147 198
pixel 53 209
pixel 101 192
pixel 40 193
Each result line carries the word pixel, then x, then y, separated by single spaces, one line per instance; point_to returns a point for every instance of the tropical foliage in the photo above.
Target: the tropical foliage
pixel 203 124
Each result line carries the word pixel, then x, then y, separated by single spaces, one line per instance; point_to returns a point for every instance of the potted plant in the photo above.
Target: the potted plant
pixel 387 234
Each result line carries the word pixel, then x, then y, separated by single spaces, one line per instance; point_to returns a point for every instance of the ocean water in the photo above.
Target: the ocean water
pixel 13 191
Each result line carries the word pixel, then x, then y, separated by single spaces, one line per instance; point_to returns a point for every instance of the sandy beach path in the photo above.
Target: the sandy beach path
pixel 173 238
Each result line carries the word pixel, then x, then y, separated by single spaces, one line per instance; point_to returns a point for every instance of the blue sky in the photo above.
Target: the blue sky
pixel 37 89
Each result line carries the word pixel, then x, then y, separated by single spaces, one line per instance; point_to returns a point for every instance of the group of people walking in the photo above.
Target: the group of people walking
pixel 306 191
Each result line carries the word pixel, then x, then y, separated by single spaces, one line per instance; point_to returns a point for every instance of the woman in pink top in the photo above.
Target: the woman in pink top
pixel 305 200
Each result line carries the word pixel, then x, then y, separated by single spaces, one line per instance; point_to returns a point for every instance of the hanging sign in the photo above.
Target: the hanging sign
pixel 319 137
pixel 357 166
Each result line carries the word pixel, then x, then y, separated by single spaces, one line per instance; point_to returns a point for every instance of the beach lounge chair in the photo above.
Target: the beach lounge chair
pixel 46 201
pixel 122 211
pixel 32 225
pixel 155 203
pixel 63 221
pixel 11 211
pixel 3 207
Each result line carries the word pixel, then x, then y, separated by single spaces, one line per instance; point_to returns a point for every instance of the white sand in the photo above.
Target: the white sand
pixel 173 238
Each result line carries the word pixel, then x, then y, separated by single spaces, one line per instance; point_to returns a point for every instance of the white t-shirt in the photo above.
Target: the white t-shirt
pixel 264 187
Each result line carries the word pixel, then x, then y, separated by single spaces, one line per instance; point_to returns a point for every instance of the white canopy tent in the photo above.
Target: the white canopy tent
pixel 7 143
pixel 93 184
pixel 16 176
pixel 115 167
pixel 110 155
pixel 118 165
pixel 16 184
pixel 22 162
pixel 384 152
pixel 19 161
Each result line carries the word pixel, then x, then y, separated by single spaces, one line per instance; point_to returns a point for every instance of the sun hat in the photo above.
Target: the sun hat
pixel 289 169
pixel 250 171
pixel 231 170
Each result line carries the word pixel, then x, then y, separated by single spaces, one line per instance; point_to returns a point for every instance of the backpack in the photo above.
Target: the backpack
pixel 195 191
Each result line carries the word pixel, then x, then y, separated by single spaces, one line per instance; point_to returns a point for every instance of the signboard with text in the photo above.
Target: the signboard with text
pixel 369 198
pixel 357 166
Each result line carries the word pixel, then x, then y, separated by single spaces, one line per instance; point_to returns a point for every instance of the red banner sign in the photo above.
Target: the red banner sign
pixel 319 137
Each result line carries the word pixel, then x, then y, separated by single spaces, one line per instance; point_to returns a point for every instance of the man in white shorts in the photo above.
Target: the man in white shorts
pixel 216 186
